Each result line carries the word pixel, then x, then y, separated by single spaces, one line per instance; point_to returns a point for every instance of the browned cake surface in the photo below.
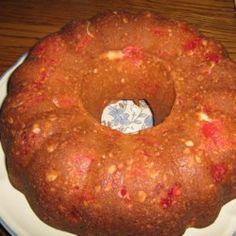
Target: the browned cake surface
pixel 87 179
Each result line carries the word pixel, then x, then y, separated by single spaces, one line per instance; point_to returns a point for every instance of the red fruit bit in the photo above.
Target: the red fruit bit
pixel 171 194
pixel 218 172
pixel 133 53
pixel 166 202
pixel 123 193
pixel 192 44
pixel 175 190
pixel 212 57
pixel 214 134
pixel 210 130
pixel 83 43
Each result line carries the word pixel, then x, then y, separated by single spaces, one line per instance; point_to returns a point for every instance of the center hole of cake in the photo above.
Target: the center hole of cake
pixel 128 99
pixel 128 116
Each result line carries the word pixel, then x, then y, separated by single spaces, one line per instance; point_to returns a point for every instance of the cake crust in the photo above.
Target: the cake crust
pixel 87 179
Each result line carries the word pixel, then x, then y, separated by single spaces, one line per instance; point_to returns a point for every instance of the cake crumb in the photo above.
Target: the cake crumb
pixel 198 159
pixel 142 196
pixel 113 55
pixel 112 169
pixel 51 175
pixel 204 117
pixel 36 129
pixel 189 143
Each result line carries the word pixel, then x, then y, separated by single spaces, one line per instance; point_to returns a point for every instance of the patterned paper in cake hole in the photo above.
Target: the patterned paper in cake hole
pixel 127 117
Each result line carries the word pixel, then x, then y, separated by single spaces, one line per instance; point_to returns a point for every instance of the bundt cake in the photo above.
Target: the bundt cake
pixel 85 178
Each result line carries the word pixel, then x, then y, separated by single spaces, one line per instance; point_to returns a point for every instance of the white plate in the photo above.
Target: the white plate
pixel 18 218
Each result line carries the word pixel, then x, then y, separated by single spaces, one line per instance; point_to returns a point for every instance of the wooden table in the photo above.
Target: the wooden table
pixel 24 22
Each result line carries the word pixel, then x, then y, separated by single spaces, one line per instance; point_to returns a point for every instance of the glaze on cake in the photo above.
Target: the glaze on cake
pixel 88 179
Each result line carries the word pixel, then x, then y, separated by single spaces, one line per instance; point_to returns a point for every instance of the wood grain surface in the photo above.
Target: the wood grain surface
pixel 24 22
